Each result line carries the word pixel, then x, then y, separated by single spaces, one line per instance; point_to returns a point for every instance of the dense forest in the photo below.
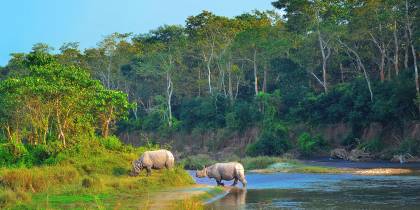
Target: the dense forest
pixel 307 76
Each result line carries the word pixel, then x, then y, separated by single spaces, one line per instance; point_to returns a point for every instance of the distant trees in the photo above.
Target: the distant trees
pixel 55 101
pixel 333 61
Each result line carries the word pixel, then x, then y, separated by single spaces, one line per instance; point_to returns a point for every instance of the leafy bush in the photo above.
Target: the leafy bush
pixel 410 146
pixel 374 145
pixel 308 145
pixel 273 141
pixel 111 143
pixel 243 115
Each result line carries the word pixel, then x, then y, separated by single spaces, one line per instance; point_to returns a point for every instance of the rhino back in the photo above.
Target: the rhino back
pixel 155 159
pixel 224 171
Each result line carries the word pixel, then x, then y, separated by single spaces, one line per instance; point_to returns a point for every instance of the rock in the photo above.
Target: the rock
pixel 339 153
pixel 359 155
pixel 406 158
pixel 398 158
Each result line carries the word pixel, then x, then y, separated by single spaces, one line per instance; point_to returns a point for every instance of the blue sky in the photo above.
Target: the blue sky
pixel 26 22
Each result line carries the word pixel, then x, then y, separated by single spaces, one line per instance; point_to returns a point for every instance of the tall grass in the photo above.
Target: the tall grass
pixel 88 176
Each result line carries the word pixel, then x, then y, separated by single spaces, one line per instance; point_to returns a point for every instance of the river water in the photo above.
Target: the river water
pixel 320 191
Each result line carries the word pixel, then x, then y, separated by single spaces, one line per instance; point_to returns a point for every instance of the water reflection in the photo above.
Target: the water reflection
pixel 321 191
pixel 235 199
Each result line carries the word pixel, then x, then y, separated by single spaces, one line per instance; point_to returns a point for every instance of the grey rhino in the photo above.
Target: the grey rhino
pixel 158 159
pixel 224 171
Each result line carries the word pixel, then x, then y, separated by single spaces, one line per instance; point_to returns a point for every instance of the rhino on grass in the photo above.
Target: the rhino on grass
pixel 158 159
pixel 224 171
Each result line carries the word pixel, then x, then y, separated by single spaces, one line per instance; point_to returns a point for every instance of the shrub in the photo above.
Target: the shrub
pixel 308 145
pixel 111 143
pixel 410 146
pixel 272 142
pixel 374 145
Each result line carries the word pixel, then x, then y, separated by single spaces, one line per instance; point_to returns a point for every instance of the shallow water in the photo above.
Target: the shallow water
pixel 321 191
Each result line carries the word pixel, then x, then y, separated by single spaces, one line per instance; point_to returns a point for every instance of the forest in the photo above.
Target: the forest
pixel 271 90
pixel 261 83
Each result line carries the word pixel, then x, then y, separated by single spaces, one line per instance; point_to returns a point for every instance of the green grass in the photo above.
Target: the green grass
pixel 89 176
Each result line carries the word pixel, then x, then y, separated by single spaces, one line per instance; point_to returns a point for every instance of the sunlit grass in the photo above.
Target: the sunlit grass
pixel 93 178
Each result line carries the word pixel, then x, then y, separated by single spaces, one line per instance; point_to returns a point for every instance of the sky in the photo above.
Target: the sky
pixel 54 22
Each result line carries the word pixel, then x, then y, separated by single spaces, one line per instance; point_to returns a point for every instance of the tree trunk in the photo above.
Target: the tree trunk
pixel 199 83
pixel 9 133
pixel 105 128
pixel 208 65
pixel 341 73
pixel 413 51
pixel 61 135
pixel 406 48
pixel 265 80
pixel 416 72
pixel 396 53
pixel 382 50
pixel 325 56
pixel 108 80
pixel 169 95
pixel 360 66
pixel 237 87
pixel 209 77
pixel 230 88
pixel 255 72
pixel 382 66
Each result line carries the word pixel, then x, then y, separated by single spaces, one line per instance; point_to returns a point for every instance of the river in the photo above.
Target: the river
pixel 320 191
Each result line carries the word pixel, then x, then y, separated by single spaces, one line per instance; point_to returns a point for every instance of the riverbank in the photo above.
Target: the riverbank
pixel 88 176
pixel 341 167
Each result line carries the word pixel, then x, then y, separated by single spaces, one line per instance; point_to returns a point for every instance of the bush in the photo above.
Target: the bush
pixel 410 146
pixel 243 115
pixel 111 143
pixel 373 146
pixel 272 142
pixel 308 145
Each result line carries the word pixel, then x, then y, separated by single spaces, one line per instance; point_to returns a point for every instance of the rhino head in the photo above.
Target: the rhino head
pixel 201 173
pixel 137 167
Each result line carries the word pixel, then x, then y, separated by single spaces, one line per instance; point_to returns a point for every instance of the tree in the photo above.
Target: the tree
pixel 165 47
pixel 54 100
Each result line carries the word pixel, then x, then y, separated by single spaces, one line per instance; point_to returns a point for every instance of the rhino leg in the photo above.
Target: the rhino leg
pixel 243 181
pixel 149 171
pixel 219 183
pixel 235 182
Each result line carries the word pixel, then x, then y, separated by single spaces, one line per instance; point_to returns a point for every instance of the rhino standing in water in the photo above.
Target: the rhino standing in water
pixel 224 171
pixel 158 159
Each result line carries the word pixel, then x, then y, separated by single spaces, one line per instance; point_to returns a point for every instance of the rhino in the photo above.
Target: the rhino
pixel 158 159
pixel 224 171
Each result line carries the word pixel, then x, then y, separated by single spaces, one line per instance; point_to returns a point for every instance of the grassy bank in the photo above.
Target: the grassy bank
pixel 90 176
